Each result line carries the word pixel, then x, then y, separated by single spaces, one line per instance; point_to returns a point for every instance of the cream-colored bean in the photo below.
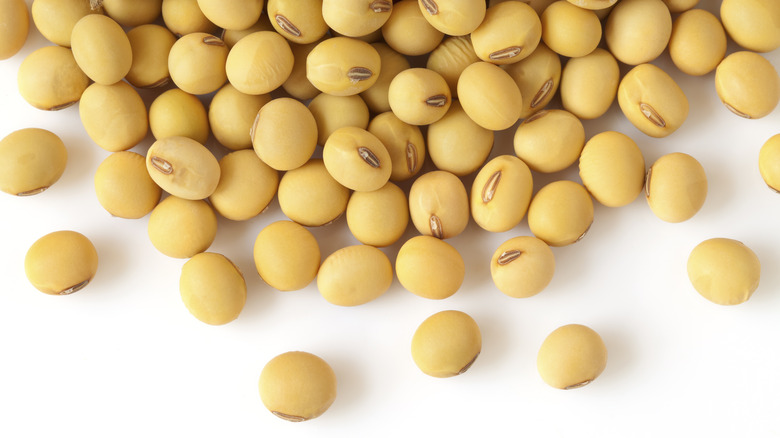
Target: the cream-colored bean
pixel 404 142
pixel 748 84
pixel 181 228
pixel 612 168
pixel 522 266
pixel 14 27
pixel 419 96
pixel 101 49
pixel 593 4
pixel 724 271
pixel 297 84
pixel 232 14
pixel 357 159
pixel 231 115
pixel 439 204
pixel 343 66
pixel 501 193
pixel 151 44
pixel 287 255
pixel 132 14
pixel 246 186
pixel 571 357
pixel 454 17
pixel 489 96
pixel 698 42
pixel 259 63
pixel 560 213
pixel 752 23
pixel 408 32
pixel 457 144
pixel 589 84
pixel 212 288
pixel 50 79
pixel 284 134
pixel 392 63
pixel 184 16
pixel 446 344
pixel 356 18
pixel 570 30
pixel 538 77
pixel 510 32
pixel 354 275
pixel 450 58
pixel 55 19
pixel 31 161
pixel 677 6
pixel 176 113
pixel 676 187
pixel 549 140
pixel 61 263
pixel 114 116
pixel 769 162
pixel 183 167
pixel 378 218
pixel 123 186
pixel 652 101
pixel 334 112
pixel 638 31
pixel 310 196
pixel 300 21
pixel 429 267
pixel 196 63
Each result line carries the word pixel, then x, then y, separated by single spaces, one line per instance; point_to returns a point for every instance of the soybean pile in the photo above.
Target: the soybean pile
pixel 404 124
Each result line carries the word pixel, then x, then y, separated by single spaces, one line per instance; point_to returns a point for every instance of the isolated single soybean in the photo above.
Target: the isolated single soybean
pixel 50 79
pixel 31 161
pixel 747 84
pixel 612 168
pixel 572 356
pixel 14 27
pixel 652 101
pixel 446 344
pixel 354 275
pixel 212 288
pixel 676 187
pixel 522 266
pixel 501 193
pixel 560 213
pixel 430 267
pixel 297 386
pixel 61 262
pixel 724 271
pixel 286 255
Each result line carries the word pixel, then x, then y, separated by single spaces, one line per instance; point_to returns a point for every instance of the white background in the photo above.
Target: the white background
pixel 123 357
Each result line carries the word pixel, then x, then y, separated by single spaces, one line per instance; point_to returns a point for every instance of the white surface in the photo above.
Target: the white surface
pixel 123 357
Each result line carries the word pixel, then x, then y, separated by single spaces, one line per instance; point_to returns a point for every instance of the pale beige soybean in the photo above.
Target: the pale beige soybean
pixel 560 213
pixel 429 267
pixel 231 115
pixel 55 19
pixel 246 186
pixel 439 204
pixel 151 45
pixel 550 140
pixel 286 255
pixel 522 266
pixel 769 162
pixel 676 187
pixel 334 112
pixel 232 14
pixel 196 63
pixel 354 275
pixel 570 30
pixel 446 344
pixel 114 116
pixel 101 49
pixel 450 58
pixel 612 168
pixel 49 79
pixel 184 16
pixel 379 217
pixel 501 193
pixel 31 161
pixel 343 66
pixel 392 63
pixel 259 62
pixel 748 84
pixel 181 228
pixel 571 357
pixel 284 133
pixel 61 262
pixel 589 84
pixel 123 186
pixel 458 144
pixel 183 167
pixel 297 84
pixel 408 32
pixel 14 27
pixel 212 288
pixel 752 23
pixel 510 32
pixel 454 17
pixel 300 21
pixel 297 386
pixel 698 42
pixel 490 96
pixel 356 18
pixel 724 271
pixel 404 142
pixel 231 36
pixel 593 4
pixel 638 31
pixel 677 6
pixel 176 113
pixel 419 96
pixel 310 196
pixel 132 14
pixel 357 159
pixel 652 101
pixel 538 77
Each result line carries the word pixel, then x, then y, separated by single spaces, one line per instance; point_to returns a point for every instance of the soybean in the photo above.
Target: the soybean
pixel 652 101
pixel 612 168
pixel 408 32
pixel 101 49
pixel 310 196
pixel 638 31
pixel 509 33
pixel 560 213
pixel 284 134
pixel 570 30
pixel 31 161
pixel 454 17
pixel 231 115
pixel 419 96
pixel 404 142
pixel 150 44
pixel 572 356
pixel 376 97
pixel 769 162
pixel 300 21
pixel 333 112
pixel 538 78
pixel 724 271
pixel 196 63
pixel 748 84
pixel 501 193
pixel 246 186
pixel 752 24
pixel 356 18
pixel 549 140
pixel 698 42
pixel 676 187
pixel 522 266
pixel 457 144
pixel 259 63
pixel 446 344
pixel 490 96
pixel 212 288
pixel 132 14
pixel 232 14
pixel 379 217
pixel 119 129
pixel 14 27
pixel 354 275
pixel 589 84
pixel 181 228
pixel 429 267
pixel 61 263
pixel 185 16
pixel 343 66
pixel 286 255
pixel 439 204
pixel 176 113
pixel 183 167
pixel 450 58
pixel 50 79
pixel 123 186
pixel 55 19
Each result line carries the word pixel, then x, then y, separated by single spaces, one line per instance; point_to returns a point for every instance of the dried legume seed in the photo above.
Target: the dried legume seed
pixel 181 228
pixel 246 186
pixel 119 129
pixel 638 31
pixel 212 288
pixel 748 84
pixel 429 267
pixel 61 263
pixel 522 266
pixel 589 84
pixel 724 271
pixel 509 33
pixel 446 344
pixel 439 204
pixel 183 167
pixel 55 19
pixel 176 113
pixel 49 79
pixel 31 161
pixel 408 32
pixel 560 213
pixel 404 142
pixel 354 275
pixel 310 196
pixel 457 144
pixel 286 255
pixel 284 134
pixel 123 186
pixel 14 27
pixel 676 187
pixel 571 357
pixel 501 193
pixel 231 115
pixel 101 49
pixel 537 77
